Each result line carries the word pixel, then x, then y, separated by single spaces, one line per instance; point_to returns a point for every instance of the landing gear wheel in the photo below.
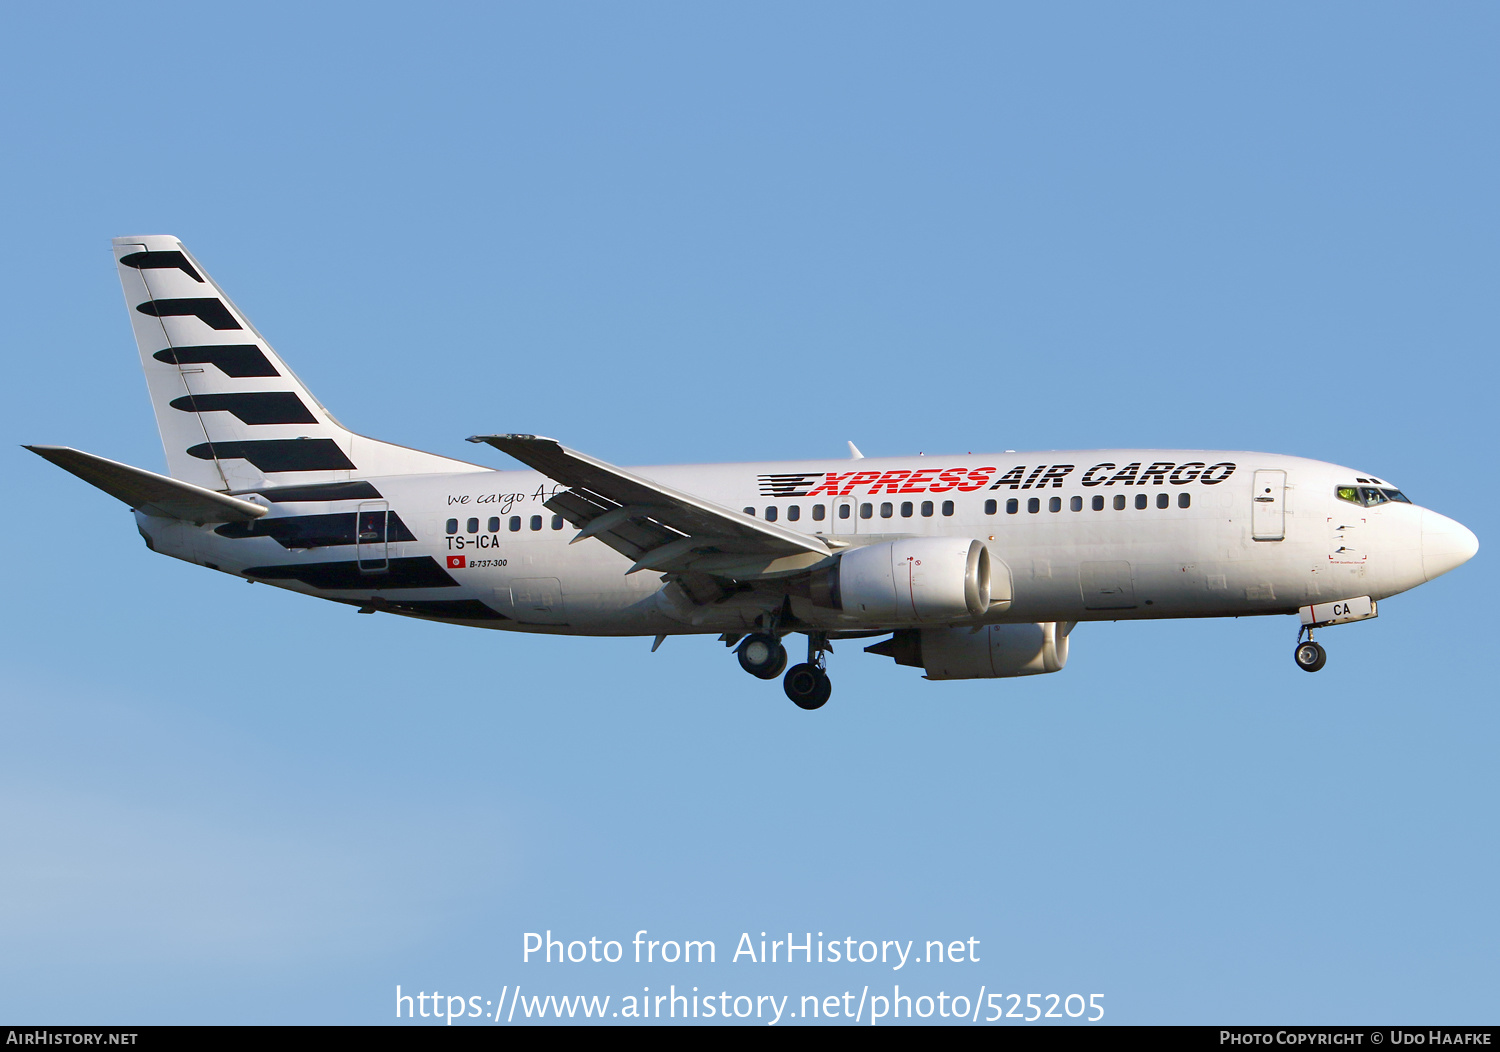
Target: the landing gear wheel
pixel 1310 656
pixel 808 686
pixel 762 655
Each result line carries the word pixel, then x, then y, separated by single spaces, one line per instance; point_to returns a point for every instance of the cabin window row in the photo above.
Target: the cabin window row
pixel 1142 501
pixel 908 508
pixel 513 524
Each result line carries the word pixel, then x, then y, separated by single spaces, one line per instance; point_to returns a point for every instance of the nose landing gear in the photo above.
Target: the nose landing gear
pixel 1309 656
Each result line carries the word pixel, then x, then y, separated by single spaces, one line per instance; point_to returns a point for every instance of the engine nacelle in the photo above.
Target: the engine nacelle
pixel 913 581
pixel 992 652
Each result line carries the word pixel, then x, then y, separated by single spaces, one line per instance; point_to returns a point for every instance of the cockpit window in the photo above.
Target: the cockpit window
pixel 1369 496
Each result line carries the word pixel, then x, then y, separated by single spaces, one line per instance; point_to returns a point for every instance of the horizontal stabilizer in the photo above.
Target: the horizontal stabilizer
pixel 149 492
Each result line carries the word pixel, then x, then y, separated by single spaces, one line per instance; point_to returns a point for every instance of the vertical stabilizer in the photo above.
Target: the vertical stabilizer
pixel 232 415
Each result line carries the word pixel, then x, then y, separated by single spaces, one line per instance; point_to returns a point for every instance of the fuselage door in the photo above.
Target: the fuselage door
pixel 845 516
pixel 371 531
pixel 1268 506
pixel 1106 585
pixel 538 601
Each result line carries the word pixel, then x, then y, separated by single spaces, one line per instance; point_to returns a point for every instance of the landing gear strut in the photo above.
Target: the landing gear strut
pixel 808 684
pixel 1309 656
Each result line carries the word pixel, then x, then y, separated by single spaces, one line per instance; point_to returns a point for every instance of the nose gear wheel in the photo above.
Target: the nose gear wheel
pixel 1309 656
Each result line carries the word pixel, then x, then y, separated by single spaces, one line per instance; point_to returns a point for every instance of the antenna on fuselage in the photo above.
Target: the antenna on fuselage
pixel 854 453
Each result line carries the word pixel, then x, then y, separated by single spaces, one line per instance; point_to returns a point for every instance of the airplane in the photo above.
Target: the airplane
pixel 973 566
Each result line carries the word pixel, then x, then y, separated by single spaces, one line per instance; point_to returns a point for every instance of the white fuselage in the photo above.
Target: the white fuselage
pixel 1093 535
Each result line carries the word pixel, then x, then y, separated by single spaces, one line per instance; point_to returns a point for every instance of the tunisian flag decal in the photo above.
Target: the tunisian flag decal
pixel 455 562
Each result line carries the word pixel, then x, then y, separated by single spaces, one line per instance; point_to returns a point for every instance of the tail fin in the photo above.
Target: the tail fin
pixel 232 416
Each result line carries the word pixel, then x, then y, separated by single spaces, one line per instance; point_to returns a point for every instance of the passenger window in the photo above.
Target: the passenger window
pixel 1012 506
pixel 947 507
pixel 990 507
pixel 494 525
pixel 906 509
pixel 536 522
pixel 515 524
pixel 927 509
pixel 793 513
pixel 1184 499
pixel 1033 506
pixel 1076 504
pixel 1119 502
pixel 771 513
pixel 1098 503
pixel 886 509
pixel 750 512
pixel 452 525
pixel 473 525
pixel 1140 501
pixel 556 522
pixel 1163 500
pixel 1055 504
pixel 817 513
pixel 866 511
pixel 844 510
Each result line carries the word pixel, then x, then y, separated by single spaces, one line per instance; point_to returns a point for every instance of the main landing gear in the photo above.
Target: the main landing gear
pixel 1309 656
pixel 762 654
pixel 808 685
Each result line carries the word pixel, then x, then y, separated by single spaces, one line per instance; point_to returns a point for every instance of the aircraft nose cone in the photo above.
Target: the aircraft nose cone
pixel 1445 544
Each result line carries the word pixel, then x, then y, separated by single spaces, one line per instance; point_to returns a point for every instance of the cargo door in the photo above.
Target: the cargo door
pixel 538 601
pixel 1106 585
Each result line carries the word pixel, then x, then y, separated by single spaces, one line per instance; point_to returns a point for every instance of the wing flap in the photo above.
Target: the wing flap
pixel 655 526
pixel 631 539
pixel 149 492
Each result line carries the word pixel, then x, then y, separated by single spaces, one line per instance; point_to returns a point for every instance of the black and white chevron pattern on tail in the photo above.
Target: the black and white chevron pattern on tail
pixel 232 415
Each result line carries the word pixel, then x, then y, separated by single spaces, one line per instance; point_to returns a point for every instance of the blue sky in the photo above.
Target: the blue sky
pixel 707 233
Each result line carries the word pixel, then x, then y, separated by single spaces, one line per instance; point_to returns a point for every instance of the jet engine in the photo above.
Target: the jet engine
pixel 910 581
pixel 989 652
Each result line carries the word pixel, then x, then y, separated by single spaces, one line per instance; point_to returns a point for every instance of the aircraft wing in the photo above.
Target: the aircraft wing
pixel 149 492
pixel 656 527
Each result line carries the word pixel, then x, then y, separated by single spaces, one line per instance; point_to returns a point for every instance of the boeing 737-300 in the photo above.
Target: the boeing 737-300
pixel 974 566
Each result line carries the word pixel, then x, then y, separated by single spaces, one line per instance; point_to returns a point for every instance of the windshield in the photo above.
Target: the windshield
pixel 1369 496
